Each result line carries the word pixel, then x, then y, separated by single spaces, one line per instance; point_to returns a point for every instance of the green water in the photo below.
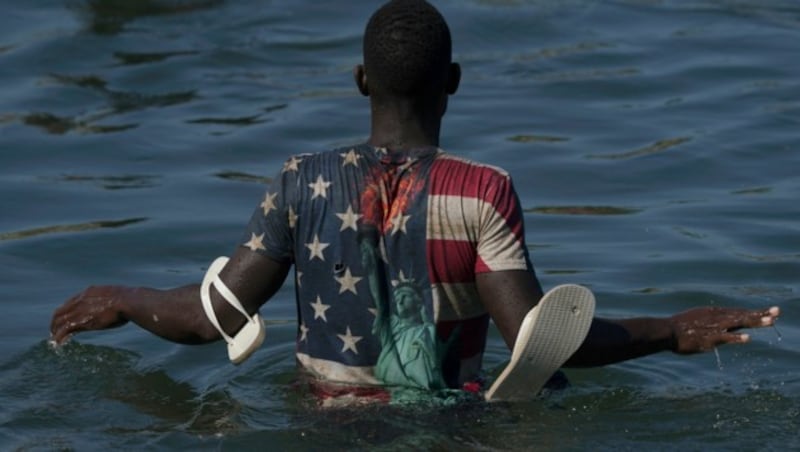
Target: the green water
pixel 654 145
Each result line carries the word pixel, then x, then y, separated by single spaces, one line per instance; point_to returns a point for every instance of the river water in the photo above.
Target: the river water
pixel 655 146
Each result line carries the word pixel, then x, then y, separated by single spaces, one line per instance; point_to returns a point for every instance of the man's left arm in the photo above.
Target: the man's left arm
pixel 509 295
pixel 697 330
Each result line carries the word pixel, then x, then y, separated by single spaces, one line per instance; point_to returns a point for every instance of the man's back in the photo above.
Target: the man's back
pixel 386 246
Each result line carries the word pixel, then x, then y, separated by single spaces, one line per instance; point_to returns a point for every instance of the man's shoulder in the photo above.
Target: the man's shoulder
pixel 295 163
pixel 450 162
pixel 320 156
pixel 460 176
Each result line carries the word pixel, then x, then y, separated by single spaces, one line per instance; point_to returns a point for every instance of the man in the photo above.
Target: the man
pixel 402 252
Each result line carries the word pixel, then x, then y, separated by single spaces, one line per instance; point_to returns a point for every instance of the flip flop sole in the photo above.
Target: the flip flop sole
pixel 550 333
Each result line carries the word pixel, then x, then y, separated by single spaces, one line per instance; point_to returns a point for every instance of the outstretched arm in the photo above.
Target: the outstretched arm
pixel 174 314
pixel 509 295
pixel 694 331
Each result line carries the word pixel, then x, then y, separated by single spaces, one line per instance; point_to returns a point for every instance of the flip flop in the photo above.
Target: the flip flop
pixel 251 336
pixel 550 333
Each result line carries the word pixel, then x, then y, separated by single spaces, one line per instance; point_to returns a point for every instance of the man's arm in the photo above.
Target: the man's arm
pixel 694 331
pixel 174 314
pixel 509 295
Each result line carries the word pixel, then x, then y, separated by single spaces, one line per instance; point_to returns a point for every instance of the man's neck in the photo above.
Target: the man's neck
pixel 400 127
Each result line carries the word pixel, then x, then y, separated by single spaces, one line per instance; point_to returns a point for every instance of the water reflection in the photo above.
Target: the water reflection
pixel 243 177
pixel 111 16
pixel 583 210
pixel 536 139
pixel 132 58
pixel 752 191
pixel 119 102
pixel 77 380
pixel 62 228
pixel 59 125
pixel 125 181
pixel 658 146
pixel 239 121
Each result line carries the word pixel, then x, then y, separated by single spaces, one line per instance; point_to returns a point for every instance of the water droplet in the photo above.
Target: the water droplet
pixel 777 332
pixel 719 361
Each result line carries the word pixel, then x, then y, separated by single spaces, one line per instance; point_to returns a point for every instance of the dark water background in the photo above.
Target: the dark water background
pixel 655 146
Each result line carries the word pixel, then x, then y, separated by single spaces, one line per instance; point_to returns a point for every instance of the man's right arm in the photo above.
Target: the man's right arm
pixel 174 314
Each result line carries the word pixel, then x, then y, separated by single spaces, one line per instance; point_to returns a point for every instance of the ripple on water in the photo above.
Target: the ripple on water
pixel 664 176
pixel 134 58
pixel 654 148
pixel 62 228
pixel 117 103
pixel 121 182
pixel 66 387
pixel 583 210
pixel 111 16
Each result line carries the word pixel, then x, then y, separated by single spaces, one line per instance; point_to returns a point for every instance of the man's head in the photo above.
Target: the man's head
pixel 407 53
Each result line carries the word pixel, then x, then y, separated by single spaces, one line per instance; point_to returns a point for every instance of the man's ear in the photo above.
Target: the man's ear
pixel 453 78
pixel 360 77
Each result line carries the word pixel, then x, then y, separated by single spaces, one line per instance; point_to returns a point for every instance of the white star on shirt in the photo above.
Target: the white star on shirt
pixel 399 222
pixel 299 276
pixel 316 248
pixel 269 203
pixel 320 187
pixel 291 164
pixel 350 158
pixel 348 282
pixel 349 341
pixel 256 242
pixel 349 219
pixel 303 332
pixel 292 218
pixel 319 309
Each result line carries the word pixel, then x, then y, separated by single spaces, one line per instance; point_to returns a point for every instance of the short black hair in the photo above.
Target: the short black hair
pixel 407 49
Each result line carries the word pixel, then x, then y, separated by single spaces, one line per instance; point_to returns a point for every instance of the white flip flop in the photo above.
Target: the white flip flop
pixel 251 336
pixel 550 333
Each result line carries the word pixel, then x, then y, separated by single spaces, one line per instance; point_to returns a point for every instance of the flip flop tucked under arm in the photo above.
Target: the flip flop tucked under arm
pixel 250 337
pixel 550 333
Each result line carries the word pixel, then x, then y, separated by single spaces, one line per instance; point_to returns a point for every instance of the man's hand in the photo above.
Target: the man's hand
pixel 701 329
pixel 96 308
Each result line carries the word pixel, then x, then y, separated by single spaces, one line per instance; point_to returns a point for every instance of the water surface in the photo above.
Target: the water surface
pixel 654 145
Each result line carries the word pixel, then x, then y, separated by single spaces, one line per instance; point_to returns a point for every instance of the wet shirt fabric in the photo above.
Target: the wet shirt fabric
pixel 386 246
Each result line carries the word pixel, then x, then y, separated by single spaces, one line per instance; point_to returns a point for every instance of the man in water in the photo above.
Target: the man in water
pixel 402 252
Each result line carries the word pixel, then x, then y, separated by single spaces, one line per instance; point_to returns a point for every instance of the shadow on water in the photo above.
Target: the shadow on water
pixel 111 16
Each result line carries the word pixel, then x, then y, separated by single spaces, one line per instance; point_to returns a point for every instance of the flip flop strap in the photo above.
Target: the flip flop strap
pixel 212 278
pixel 230 297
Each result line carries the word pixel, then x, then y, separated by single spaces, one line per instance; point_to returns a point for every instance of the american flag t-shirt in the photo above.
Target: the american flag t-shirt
pixel 386 246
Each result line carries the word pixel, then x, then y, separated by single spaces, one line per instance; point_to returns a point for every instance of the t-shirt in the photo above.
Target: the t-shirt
pixel 386 246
